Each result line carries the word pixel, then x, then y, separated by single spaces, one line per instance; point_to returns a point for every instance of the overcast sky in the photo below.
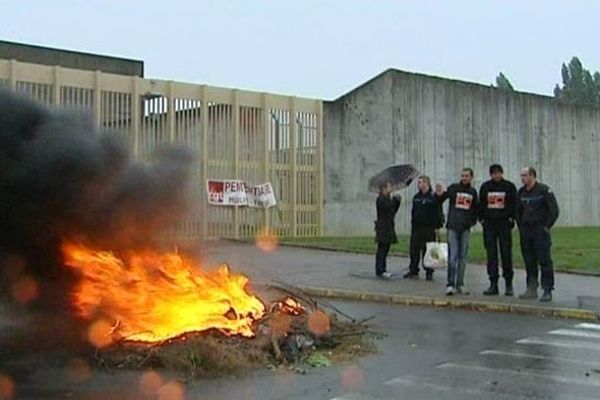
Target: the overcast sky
pixel 320 48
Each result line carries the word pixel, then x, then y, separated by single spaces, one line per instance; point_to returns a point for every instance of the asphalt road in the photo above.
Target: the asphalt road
pixel 427 354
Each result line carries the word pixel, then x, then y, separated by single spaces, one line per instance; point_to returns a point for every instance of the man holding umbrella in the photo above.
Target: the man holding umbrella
pixel 388 183
pixel 385 233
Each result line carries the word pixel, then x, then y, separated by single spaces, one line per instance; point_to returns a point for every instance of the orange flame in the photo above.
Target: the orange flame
pixel 290 306
pixel 151 297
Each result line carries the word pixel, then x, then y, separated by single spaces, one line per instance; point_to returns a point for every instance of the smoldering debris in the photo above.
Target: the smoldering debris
pixel 306 334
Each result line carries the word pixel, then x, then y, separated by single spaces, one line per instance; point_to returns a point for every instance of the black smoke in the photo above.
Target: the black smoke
pixel 61 179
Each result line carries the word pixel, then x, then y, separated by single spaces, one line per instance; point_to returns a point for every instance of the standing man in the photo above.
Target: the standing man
pixel 385 232
pixel 462 216
pixel 497 212
pixel 536 212
pixel 426 217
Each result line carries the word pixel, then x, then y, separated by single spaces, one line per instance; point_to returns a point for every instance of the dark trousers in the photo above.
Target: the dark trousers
pixel 498 233
pixel 535 246
pixel 381 257
pixel 419 236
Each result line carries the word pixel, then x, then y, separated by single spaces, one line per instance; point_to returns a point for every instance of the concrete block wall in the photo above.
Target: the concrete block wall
pixel 441 125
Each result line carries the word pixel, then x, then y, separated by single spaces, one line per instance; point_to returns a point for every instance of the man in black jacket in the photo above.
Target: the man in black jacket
pixel 426 217
pixel 385 233
pixel 497 212
pixel 462 216
pixel 536 212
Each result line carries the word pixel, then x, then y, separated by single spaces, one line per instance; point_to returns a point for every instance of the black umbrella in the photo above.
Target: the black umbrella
pixel 400 176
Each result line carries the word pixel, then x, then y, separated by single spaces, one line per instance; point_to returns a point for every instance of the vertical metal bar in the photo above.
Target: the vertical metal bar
pixel 204 148
pixel 56 86
pixel 112 100
pixel 12 75
pixel 98 98
pixel 171 112
pixel 236 156
pixel 135 114
pixel 266 123
pixel 118 108
pixel 293 126
pixel 320 176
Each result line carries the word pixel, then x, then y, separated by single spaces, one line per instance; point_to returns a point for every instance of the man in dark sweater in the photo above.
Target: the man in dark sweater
pixel 462 216
pixel 426 217
pixel 536 212
pixel 497 212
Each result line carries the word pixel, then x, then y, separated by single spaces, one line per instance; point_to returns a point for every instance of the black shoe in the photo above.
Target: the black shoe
pixel 509 290
pixel 547 296
pixel 429 275
pixel 529 294
pixel 411 275
pixel 491 291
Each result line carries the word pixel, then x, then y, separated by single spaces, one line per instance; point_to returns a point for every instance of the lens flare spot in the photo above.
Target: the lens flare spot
pixel 7 387
pixel 78 371
pixel 150 382
pixel 25 289
pixel 319 323
pixel 99 333
pixel 280 324
pixel 353 378
pixel 267 240
pixel 170 391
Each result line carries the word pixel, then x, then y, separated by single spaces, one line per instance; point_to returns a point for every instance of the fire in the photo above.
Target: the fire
pixel 149 296
pixel 289 306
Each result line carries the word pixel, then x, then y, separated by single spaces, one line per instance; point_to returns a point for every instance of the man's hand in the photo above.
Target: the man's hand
pixel 439 189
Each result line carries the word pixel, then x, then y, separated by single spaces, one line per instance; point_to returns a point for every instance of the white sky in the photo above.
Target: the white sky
pixel 320 48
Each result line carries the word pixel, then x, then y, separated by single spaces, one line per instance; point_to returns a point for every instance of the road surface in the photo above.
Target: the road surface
pixel 427 354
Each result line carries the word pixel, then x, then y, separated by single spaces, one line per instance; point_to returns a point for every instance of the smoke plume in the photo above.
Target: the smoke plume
pixel 61 179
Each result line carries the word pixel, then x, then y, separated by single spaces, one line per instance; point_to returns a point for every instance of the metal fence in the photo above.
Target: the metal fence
pixel 234 134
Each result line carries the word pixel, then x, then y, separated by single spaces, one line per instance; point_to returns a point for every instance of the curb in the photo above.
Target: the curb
pixel 556 312
pixel 403 254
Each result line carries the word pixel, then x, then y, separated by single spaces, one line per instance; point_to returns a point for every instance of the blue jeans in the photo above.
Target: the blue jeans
pixel 458 249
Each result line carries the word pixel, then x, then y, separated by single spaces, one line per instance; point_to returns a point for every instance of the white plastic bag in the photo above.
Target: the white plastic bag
pixel 436 255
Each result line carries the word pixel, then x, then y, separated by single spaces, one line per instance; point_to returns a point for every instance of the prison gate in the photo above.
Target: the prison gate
pixel 233 134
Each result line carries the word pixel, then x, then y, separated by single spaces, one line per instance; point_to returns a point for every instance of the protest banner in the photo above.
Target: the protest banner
pixel 227 192
pixel 261 196
pixel 238 193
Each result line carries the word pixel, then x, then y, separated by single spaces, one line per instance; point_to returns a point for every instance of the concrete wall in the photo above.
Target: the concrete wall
pixel 442 125
pixel 70 59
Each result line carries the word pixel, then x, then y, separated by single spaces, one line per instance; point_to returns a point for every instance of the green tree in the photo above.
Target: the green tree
pixel 579 85
pixel 502 82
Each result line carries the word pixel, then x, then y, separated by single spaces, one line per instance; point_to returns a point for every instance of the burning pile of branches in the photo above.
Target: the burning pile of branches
pixel 146 308
pixel 296 331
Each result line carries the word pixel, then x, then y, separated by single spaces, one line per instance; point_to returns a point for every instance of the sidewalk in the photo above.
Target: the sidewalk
pixel 328 273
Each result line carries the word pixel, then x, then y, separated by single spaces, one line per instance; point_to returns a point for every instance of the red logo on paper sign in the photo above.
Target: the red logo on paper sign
pixel 464 201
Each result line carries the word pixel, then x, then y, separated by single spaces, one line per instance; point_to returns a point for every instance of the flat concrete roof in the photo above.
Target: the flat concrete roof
pixel 70 59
